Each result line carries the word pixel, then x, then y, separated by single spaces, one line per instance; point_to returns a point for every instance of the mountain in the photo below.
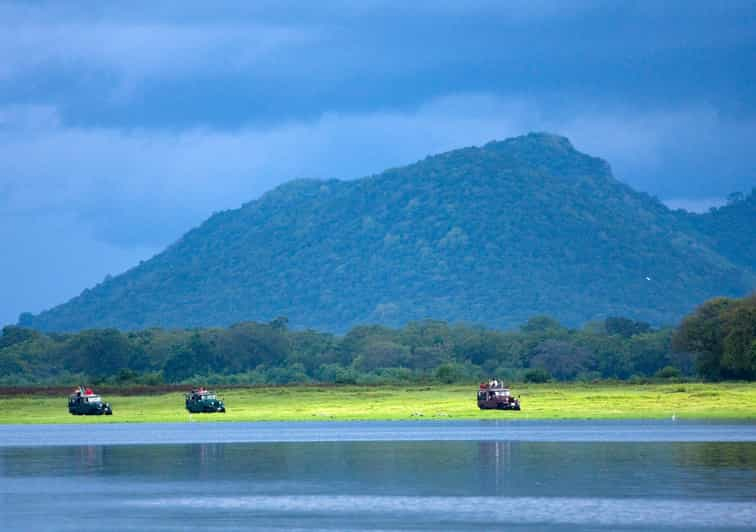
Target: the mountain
pixel 490 235
pixel 730 229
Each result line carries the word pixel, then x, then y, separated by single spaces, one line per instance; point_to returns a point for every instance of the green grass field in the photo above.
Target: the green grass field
pixel 544 401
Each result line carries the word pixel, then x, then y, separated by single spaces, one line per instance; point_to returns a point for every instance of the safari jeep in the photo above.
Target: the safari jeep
pixel 84 402
pixel 200 400
pixel 493 395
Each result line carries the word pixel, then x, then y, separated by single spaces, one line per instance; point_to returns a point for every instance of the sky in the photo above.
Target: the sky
pixel 123 125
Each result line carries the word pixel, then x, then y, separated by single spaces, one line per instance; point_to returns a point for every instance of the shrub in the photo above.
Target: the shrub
pixel 668 372
pixel 537 375
pixel 449 372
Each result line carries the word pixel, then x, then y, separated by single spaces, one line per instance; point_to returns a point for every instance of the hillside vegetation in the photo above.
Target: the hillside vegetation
pixel 730 229
pixel 490 235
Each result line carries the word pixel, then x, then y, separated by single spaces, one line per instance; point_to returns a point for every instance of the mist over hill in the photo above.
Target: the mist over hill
pixel 491 235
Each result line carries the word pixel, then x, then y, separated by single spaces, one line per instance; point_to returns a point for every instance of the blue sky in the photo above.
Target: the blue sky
pixel 122 126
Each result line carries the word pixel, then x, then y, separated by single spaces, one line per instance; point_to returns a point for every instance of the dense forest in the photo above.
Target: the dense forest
pixel 730 229
pixel 717 341
pixel 722 334
pixel 490 235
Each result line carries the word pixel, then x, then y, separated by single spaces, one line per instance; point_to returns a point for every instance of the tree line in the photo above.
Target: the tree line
pixel 717 341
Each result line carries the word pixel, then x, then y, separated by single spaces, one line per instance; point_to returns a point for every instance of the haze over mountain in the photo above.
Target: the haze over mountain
pixel 491 235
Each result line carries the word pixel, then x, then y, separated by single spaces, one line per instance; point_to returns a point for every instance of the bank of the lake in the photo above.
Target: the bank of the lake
pixel 345 403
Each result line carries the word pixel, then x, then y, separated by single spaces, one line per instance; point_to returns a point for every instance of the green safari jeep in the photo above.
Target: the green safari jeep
pixel 84 402
pixel 200 400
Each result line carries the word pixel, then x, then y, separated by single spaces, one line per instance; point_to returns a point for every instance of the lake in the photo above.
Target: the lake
pixel 568 475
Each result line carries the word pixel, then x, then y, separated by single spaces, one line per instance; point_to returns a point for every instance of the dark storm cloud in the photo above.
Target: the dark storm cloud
pixel 190 67
pixel 122 125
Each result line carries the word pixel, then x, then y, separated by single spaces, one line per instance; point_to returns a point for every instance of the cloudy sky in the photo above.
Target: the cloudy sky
pixel 123 125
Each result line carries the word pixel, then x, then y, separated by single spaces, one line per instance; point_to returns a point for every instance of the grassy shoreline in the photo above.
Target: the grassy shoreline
pixel 353 403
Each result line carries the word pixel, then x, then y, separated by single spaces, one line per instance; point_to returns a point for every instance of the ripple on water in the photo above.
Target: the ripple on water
pixel 602 512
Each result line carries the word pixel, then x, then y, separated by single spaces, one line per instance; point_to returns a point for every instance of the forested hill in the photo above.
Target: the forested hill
pixel 491 235
pixel 730 229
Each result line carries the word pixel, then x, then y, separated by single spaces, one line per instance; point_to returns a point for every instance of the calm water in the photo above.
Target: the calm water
pixel 380 476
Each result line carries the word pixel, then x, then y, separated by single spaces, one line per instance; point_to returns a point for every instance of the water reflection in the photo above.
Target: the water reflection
pixel 90 457
pixel 381 484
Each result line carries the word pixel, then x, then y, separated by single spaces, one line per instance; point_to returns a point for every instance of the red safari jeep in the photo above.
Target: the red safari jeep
pixel 494 395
